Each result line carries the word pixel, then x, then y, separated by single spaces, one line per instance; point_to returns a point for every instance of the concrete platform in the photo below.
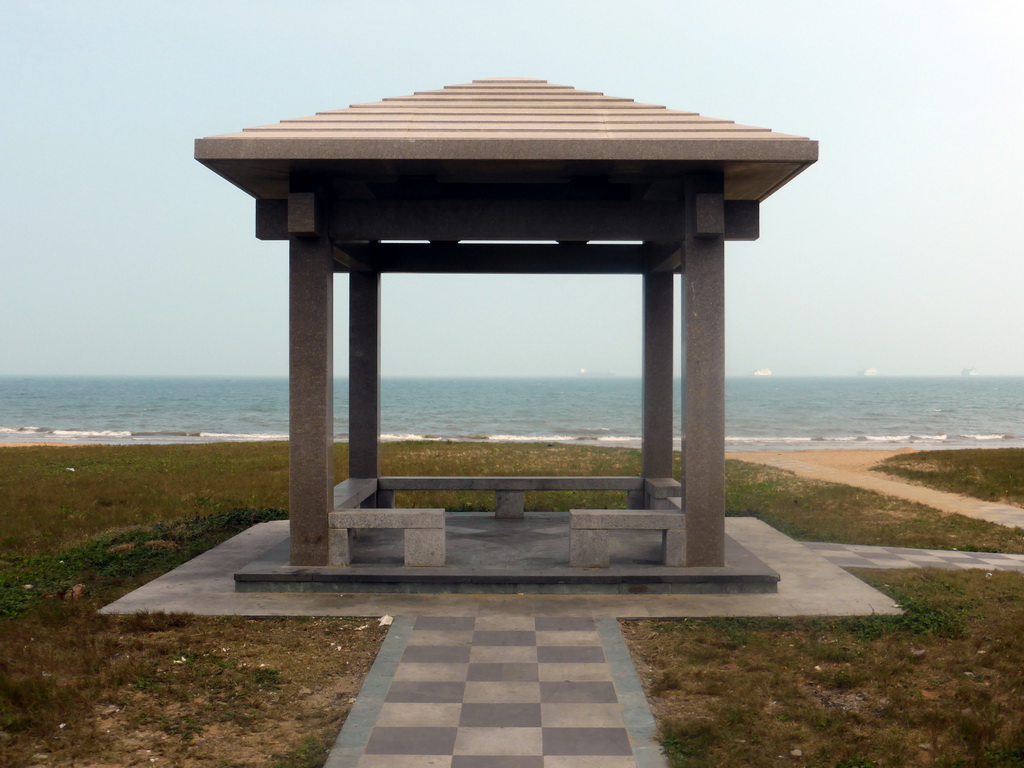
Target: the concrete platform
pixel 809 586
pixel 494 556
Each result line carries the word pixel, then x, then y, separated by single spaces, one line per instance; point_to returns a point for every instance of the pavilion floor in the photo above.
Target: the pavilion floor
pixel 490 556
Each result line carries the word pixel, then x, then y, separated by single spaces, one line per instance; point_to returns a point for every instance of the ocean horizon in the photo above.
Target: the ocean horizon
pixel 762 413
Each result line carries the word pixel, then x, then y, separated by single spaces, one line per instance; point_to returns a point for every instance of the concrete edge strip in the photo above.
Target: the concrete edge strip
pixel 355 732
pixel 640 725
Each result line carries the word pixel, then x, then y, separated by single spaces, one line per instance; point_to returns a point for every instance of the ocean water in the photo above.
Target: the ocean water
pixel 761 413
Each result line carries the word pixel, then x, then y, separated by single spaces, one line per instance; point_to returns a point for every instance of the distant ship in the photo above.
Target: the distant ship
pixel 596 374
pixel 968 372
pixel 763 372
pixel 867 372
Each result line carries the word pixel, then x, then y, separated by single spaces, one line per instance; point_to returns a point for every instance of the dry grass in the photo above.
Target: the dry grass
pixel 939 686
pixel 83 689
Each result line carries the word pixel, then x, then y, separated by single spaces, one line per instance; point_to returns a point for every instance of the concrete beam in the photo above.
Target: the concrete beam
pixel 303 214
pixel 504 220
pixel 504 258
pixel 664 257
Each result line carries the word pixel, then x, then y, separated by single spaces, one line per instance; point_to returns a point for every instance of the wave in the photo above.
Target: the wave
pixel 585 437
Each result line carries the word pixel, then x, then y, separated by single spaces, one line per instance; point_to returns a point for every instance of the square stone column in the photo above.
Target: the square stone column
pixel 657 375
pixel 311 397
pixel 364 375
pixel 704 381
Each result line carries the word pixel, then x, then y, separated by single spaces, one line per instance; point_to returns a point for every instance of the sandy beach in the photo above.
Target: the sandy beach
pixel 850 460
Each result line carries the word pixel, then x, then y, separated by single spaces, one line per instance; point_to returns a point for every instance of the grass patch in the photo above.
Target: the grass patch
pixel 79 688
pixel 812 510
pixel 940 685
pixel 992 475
pixel 57 498
pixel 112 560
pixel 176 689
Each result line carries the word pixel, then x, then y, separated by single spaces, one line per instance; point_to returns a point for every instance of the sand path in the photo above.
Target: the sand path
pixel 853 467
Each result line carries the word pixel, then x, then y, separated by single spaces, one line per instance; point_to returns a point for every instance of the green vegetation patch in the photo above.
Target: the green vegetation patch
pixel 117 558
pixel 939 685
pixel 989 474
pixel 812 510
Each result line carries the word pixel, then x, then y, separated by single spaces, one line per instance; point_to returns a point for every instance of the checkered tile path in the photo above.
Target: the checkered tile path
pixel 503 692
pixel 861 556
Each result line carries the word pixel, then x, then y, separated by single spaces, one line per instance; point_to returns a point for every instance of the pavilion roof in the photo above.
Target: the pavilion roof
pixel 512 128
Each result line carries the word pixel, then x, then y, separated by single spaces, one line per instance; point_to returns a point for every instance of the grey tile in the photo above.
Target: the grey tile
pixel 586 741
pixel 581 693
pixel 503 653
pixel 565 624
pixel 417 693
pixel 498 741
pixel 570 654
pixel 431 714
pixel 568 637
pixel 504 637
pixel 577 716
pixel 501 672
pixel 422 673
pixel 497 761
pixel 502 693
pixel 435 654
pixel 451 623
pixel 514 623
pixel 413 761
pixel 500 716
pixel 553 673
pixel 411 741
pixel 439 637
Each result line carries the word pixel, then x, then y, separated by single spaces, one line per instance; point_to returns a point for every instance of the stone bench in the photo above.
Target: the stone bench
pixel 509 491
pixel 423 531
pixel 589 529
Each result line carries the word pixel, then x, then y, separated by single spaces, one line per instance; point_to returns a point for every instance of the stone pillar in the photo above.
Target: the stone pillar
pixel 704 382
pixel 310 397
pixel 364 376
pixel 657 376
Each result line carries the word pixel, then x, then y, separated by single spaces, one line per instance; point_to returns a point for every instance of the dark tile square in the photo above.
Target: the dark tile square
pixel 504 637
pixel 577 693
pixel 411 741
pixel 564 624
pixel 500 716
pixel 437 654
pixel 497 672
pixel 425 693
pixel 451 623
pixel 570 654
pixel 586 741
pixel 495 761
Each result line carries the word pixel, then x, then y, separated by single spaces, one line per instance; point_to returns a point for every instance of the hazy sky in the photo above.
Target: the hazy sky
pixel 901 249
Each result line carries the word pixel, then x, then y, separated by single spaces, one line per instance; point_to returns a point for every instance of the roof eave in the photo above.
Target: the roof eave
pixel 776 150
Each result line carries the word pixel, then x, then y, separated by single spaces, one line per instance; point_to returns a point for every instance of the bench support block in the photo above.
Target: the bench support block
pixel 508 505
pixel 589 530
pixel 423 530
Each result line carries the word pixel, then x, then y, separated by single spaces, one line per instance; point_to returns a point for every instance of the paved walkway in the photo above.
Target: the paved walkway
pixel 861 556
pixel 500 692
pixel 1003 514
